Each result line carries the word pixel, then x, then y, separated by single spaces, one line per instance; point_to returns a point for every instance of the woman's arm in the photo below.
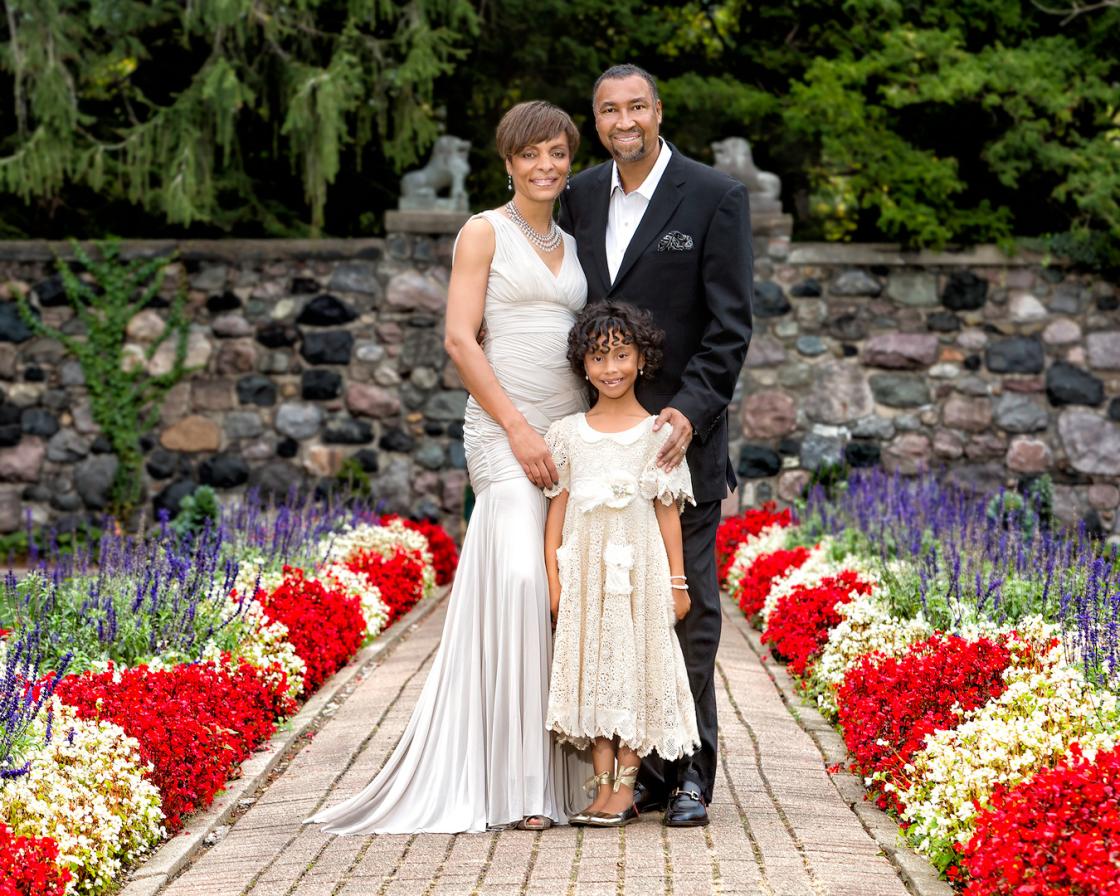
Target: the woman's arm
pixel 669 520
pixel 466 299
pixel 553 535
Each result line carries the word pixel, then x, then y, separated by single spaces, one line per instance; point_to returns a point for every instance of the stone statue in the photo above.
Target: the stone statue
pixel 447 169
pixel 733 157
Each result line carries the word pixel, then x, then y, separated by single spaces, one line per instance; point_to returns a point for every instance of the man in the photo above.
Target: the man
pixel 671 235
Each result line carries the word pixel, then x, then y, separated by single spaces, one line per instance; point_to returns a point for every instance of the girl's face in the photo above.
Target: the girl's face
pixel 612 366
pixel 540 171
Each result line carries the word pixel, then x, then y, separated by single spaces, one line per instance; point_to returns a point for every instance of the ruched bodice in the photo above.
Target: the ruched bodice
pixel 527 316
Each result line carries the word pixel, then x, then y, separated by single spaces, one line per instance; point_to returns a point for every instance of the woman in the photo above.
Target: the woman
pixel 476 753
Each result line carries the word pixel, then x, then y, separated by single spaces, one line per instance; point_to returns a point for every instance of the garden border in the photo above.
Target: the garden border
pixel 916 872
pixel 175 854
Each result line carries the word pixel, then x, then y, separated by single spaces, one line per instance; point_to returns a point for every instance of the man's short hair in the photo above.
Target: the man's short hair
pixel 532 122
pixel 626 70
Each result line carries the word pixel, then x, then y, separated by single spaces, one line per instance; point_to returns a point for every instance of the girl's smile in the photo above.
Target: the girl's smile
pixel 613 367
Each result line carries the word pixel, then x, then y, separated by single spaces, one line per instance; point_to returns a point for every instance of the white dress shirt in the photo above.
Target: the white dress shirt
pixel 626 209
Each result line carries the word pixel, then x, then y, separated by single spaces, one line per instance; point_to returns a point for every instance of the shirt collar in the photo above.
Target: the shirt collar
pixel 652 179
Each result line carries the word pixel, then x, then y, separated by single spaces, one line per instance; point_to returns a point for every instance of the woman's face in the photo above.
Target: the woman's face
pixel 540 171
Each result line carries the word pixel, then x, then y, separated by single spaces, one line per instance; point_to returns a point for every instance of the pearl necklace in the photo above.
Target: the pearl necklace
pixel 550 242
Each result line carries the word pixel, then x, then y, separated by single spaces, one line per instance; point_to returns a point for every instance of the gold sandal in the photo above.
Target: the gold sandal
pixel 627 777
pixel 591 785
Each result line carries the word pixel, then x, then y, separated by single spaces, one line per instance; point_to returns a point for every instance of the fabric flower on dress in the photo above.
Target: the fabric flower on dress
pixel 615 490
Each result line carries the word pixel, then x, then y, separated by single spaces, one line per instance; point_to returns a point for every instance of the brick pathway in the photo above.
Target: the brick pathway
pixel 779 826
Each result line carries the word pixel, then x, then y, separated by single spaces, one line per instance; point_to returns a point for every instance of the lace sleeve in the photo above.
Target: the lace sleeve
pixel 557 440
pixel 668 487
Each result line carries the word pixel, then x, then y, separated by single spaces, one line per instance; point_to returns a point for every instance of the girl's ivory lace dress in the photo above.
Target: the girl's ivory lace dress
pixel 617 667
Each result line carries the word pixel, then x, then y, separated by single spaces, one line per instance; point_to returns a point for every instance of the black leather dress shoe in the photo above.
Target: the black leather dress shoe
pixel 686 808
pixel 646 801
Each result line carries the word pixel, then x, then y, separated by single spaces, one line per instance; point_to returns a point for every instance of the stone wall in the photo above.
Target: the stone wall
pixel 306 353
pixel 991 367
pixel 310 352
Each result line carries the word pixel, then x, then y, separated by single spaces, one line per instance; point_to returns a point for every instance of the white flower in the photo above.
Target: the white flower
pixel 86 790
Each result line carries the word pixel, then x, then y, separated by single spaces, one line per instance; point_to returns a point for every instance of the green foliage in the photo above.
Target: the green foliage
pixel 197 510
pixel 72 620
pixel 926 123
pixel 353 481
pixel 17 545
pixel 923 123
pixel 196 111
pixel 124 398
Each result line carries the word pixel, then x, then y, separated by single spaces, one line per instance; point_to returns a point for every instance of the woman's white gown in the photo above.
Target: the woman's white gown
pixel 476 751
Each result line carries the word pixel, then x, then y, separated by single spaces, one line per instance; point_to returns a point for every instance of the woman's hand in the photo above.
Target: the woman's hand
pixel 682 603
pixel 531 451
pixel 554 602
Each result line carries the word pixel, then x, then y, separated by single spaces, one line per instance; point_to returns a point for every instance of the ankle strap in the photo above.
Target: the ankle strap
pixel 627 776
pixel 596 781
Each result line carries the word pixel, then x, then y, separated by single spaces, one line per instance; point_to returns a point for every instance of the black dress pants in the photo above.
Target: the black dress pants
pixel 698 634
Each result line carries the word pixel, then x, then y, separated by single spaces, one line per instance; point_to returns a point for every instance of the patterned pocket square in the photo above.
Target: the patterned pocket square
pixel 674 241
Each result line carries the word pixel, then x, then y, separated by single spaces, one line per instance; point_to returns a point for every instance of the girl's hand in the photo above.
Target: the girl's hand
pixel 554 602
pixel 682 603
pixel 531 451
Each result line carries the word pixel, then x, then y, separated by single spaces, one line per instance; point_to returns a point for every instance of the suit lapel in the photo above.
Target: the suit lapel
pixel 597 245
pixel 665 200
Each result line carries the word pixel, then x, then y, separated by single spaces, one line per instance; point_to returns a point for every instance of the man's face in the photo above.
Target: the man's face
pixel 626 118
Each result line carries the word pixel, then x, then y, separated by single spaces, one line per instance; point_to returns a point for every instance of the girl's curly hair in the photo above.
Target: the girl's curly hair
pixel 634 326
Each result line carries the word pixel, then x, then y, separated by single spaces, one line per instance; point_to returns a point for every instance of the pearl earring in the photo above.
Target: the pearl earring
pixel 509 182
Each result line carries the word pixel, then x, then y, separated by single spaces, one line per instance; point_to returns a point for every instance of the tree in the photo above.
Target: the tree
pixel 195 111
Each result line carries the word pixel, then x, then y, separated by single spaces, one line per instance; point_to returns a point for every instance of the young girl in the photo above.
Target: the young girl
pixel 616 569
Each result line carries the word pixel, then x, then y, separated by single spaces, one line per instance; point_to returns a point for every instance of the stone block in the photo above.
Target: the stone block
pixel 23 461
pixel 192 434
pixel 1028 455
pixel 1092 443
pixel 908 454
pixel 768 414
pixel 840 394
pixel 901 351
pixel 1104 349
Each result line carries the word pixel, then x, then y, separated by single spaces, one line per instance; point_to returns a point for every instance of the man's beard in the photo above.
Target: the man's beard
pixel 630 155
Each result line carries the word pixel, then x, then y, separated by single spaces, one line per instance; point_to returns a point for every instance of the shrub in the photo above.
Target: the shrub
pixel 754 586
pixel 801 621
pixel 1046 707
pixel 325 624
pixel 86 790
pixel 889 705
pixel 444 551
pixel 28 866
pixel 734 530
pixel 193 722
pixel 1057 834
pixel 397 578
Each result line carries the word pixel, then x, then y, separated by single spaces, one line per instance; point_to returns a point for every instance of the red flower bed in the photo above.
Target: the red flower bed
pixel 399 578
pixel 193 722
pixel 28 866
pixel 1056 834
pixel 445 553
pixel 889 704
pixel 755 584
pixel 734 530
pixel 325 626
pixel 798 626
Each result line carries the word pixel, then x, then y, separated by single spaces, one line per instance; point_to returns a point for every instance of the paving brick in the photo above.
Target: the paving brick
pixel 779 825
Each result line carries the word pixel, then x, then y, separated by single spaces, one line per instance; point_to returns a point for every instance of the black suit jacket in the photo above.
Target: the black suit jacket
pixel 701 296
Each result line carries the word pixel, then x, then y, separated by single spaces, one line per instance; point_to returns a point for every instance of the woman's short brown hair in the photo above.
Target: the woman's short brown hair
pixel 534 122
